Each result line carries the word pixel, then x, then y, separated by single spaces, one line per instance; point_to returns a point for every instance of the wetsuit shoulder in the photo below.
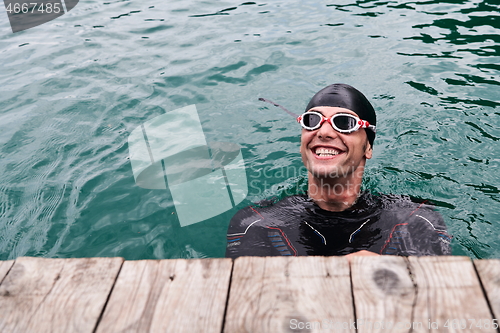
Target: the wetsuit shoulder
pixel 240 233
pixel 251 228
pixel 243 219
pixel 415 228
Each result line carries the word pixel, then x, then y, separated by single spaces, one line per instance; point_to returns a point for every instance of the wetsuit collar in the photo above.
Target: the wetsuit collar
pixel 365 203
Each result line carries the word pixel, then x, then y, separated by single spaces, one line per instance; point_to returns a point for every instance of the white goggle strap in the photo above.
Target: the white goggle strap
pixel 366 124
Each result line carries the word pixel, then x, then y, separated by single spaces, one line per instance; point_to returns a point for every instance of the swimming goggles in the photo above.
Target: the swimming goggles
pixel 341 122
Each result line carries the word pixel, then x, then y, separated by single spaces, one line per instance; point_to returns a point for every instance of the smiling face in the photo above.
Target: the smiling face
pixel 327 153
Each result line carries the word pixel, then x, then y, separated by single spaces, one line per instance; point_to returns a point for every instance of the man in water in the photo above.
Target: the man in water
pixel 336 217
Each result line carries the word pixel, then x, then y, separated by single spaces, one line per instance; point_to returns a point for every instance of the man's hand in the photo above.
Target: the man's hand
pixel 363 253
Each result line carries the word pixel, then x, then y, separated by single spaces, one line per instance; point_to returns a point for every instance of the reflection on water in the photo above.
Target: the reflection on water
pixel 73 90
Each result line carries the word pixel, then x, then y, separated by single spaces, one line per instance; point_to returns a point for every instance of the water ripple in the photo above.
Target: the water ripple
pixel 72 90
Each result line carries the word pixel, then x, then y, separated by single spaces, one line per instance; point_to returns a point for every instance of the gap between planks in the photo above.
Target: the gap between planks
pixel 249 294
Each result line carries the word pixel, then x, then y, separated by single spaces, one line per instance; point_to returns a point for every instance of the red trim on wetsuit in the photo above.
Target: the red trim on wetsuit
pixel 286 238
pixel 390 236
pixel 394 229
pixel 281 231
pixel 417 208
pixel 256 212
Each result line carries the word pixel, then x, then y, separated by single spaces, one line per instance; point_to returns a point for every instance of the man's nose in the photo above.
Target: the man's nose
pixel 326 130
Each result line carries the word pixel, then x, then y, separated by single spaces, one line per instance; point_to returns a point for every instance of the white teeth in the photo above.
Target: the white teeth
pixel 326 152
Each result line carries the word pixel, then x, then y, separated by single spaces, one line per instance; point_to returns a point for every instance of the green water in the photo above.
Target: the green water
pixel 73 89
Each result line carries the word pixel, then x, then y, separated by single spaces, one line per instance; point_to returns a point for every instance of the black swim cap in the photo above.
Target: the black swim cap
pixel 344 96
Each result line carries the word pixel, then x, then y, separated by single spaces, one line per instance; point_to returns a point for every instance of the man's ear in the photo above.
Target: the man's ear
pixel 368 151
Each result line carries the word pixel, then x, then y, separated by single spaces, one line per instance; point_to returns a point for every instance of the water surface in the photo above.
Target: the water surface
pixel 72 90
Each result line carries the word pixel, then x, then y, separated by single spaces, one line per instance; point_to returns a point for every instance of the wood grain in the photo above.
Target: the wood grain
pixel 489 273
pixel 5 267
pixel 280 294
pixel 274 294
pixel 383 293
pixel 448 289
pixel 168 296
pixel 56 295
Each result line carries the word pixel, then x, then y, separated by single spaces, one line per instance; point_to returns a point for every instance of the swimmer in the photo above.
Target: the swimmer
pixel 335 217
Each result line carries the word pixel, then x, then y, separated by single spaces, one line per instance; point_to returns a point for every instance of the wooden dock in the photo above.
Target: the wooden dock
pixel 250 294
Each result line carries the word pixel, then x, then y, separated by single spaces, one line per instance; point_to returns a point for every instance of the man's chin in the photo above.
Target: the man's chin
pixel 327 173
pixel 336 172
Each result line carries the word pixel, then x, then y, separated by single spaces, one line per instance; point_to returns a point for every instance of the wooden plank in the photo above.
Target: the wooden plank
pixel 383 293
pixel 168 296
pixel 489 273
pixel 281 294
pixel 56 295
pixel 5 267
pixel 447 289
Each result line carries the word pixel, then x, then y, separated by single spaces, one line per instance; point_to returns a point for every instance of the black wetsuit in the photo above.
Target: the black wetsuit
pixel 296 226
